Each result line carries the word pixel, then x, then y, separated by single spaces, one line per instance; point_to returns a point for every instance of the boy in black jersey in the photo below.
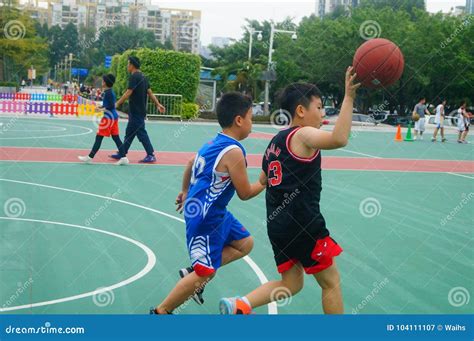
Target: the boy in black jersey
pixel 296 228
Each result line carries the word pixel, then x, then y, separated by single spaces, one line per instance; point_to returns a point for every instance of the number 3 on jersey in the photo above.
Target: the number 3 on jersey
pixel 275 168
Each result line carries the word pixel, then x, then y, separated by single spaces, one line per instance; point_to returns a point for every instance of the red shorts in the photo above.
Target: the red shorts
pixel 108 127
pixel 314 257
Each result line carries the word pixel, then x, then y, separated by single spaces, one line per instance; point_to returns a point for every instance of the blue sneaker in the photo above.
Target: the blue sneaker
pixel 115 156
pixel 148 159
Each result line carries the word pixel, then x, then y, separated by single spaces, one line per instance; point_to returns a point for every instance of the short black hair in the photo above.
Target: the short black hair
pixel 422 98
pixel 231 105
pixel 135 61
pixel 109 80
pixel 297 94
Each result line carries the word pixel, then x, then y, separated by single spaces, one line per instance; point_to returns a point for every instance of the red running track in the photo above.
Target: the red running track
pixel 28 154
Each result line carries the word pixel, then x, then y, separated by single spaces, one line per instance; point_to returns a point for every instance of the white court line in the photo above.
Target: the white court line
pixel 350 151
pixel 88 131
pixel 462 175
pixel 149 265
pixel 272 307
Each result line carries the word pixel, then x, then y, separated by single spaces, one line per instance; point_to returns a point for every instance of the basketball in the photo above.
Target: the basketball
pixel 415 117
pixel 378 63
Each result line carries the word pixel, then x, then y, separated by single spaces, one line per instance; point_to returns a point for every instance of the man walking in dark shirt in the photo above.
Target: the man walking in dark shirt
pixel 137 92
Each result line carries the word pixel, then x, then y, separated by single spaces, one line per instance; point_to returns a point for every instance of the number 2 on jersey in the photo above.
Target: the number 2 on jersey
pixel 198 167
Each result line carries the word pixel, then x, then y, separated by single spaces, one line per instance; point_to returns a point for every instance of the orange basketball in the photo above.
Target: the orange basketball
pixel 378 63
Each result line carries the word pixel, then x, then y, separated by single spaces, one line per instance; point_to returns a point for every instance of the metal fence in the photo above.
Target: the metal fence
pixel 173 104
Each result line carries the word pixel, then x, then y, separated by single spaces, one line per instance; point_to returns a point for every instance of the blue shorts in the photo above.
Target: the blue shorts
pixel 207 240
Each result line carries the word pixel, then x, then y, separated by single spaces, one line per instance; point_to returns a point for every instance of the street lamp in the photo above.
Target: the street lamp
pixel 269 67
pixel 70 66
pixel 252 31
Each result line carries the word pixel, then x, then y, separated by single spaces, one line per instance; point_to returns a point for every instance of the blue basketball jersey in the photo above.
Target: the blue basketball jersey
pixel 210 191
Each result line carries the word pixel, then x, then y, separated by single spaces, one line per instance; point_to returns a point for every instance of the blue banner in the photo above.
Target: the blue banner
pixel 254 327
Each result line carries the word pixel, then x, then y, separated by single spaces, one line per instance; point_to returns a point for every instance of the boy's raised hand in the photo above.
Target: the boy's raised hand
pixel 351 88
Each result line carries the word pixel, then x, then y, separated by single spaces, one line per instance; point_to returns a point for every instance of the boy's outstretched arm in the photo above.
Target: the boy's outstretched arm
pixel 184 186
pixel 319 139
pixel 234 163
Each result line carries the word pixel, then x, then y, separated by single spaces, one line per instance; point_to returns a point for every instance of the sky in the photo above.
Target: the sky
pixel 225 18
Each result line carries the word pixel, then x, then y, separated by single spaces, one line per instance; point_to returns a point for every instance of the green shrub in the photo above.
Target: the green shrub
pixel 169 72
pixel 9 84
pixel 190 110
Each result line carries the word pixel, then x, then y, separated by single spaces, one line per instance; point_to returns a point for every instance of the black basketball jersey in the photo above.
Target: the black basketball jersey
pixel 293 189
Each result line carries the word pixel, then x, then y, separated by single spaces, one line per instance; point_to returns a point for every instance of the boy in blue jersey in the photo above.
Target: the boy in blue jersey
pixel 214 236
pixel 108 125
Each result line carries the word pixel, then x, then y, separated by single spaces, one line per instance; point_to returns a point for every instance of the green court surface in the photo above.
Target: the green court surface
pixel 68 229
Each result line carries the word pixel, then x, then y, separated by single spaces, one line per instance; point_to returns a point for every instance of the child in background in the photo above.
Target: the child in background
pixel 108 125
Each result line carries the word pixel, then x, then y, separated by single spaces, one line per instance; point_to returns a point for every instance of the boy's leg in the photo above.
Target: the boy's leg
pixel 96 146
pixel 329 281
pixel 442 133
pixel 117 140
pixel 436 133
pixel 182 291
pixel 236 250
pixel 291 283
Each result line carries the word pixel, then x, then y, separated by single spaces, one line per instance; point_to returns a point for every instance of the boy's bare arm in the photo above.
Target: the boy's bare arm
pixel 234 163
pixel 184 186
pixel 319 139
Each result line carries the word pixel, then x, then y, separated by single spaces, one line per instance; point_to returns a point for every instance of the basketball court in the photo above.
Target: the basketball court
pixel 100 239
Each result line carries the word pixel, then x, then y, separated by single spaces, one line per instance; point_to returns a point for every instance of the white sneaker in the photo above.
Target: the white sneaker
pixel 421 137
pixel 85 159
pixel 414 138
pixel 122 161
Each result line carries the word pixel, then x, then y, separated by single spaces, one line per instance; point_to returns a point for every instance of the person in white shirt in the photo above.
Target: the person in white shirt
pixel 463 119
pixel 439 121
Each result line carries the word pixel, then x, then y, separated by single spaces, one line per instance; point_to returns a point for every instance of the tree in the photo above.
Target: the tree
pixel 20 46
pixel 62 42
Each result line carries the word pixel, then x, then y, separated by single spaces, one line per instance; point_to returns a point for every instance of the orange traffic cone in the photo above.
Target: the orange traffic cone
pixel 398 135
